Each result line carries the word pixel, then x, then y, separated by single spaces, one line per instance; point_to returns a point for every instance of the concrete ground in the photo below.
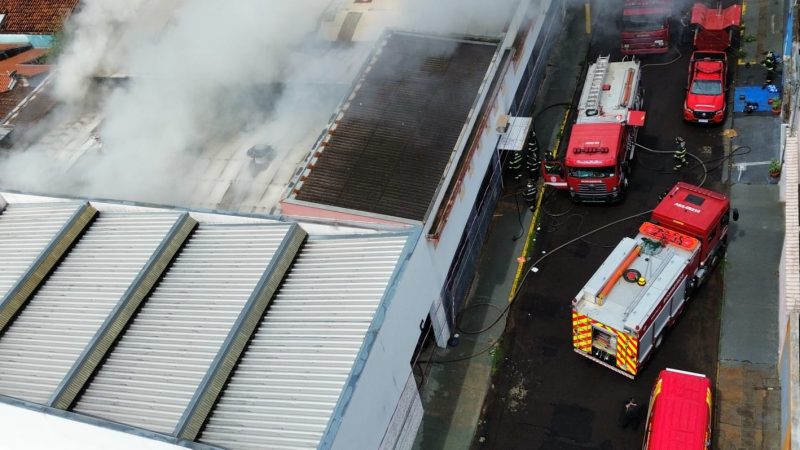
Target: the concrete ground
pixel 748 397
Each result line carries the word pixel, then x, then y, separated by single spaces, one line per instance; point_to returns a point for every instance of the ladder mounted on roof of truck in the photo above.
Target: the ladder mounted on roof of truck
pixel 596 88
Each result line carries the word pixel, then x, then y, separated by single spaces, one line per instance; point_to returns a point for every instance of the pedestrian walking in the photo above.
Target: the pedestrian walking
pixel 679 157
pixel 631 415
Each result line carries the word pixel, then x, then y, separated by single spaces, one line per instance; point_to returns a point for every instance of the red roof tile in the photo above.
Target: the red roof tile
pixel 34 16
pixel 29 70
pixel 7 81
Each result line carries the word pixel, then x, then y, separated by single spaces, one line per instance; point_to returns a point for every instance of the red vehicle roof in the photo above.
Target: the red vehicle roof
pixel 693 208
pixel 715 19
pixel 681 411
pixel 594 144
pixel 707 69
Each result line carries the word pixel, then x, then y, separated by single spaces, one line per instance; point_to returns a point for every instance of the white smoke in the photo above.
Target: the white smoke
pixel 201 73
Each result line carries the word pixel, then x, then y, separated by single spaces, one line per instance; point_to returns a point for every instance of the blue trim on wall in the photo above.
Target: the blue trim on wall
pixel 36 40
pixel 788 32
pixel 335 421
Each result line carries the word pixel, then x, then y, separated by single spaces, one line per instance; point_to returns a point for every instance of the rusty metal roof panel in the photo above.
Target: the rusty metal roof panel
pixel 388 151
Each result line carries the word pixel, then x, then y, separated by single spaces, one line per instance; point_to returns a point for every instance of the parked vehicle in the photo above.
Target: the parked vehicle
pixel 679 415
pixel 706 88
pixel 645 26
pixel 620 316
pixel 595 166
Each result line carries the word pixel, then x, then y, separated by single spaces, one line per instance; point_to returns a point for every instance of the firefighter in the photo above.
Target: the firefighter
pixel 679 157
pixel 631 414
pixel 532 163
pixel 769 62
pixel 529 194
pixel 515 165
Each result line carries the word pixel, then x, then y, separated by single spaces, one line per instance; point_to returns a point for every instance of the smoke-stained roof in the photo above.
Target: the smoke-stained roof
pixel 134 318
pixel 34 16
pixel 387 151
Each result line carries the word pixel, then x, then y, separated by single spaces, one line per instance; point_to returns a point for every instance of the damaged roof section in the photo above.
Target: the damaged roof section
pixel 34 16
pixel 388 149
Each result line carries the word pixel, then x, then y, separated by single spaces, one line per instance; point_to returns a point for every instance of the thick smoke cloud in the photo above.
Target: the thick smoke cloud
pixel 200 75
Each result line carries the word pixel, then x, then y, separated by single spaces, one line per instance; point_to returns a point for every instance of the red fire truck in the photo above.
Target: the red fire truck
pixel 620 315
pixel 595 166
pixel 679 415
pixel 645 26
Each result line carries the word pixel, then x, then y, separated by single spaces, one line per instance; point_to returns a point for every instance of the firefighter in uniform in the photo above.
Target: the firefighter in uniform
pixel 679 157
pixel 515 165
pixel 532 163
pixel 529 194
pixel 769 62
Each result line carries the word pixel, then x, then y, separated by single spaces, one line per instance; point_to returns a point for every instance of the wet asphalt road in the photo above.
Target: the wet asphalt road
pixel 545 396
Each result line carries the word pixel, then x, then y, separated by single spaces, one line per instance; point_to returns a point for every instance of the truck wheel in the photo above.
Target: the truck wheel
pixel 690 287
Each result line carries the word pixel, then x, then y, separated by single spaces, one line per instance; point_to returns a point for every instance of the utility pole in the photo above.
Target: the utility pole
pixel 587 10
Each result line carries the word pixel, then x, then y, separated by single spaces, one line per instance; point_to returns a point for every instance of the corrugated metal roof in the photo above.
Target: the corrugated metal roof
pixel 43 343
pixel 388 149
pixel 25 231
pixel 155 369
pixel 289 380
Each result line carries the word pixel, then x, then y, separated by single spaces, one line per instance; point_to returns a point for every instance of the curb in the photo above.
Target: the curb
pixel 530 238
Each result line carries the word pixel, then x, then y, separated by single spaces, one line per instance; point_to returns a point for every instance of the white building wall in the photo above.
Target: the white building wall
pixel 443 251
pixel 372 396
pixel 24 429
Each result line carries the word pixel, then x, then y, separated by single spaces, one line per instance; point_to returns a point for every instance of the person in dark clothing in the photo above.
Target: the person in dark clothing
pixel 529 194
pixel 631 415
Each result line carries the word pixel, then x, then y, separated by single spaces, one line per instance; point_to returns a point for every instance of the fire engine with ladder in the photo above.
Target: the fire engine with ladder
pixel 620 316
pixel 596 164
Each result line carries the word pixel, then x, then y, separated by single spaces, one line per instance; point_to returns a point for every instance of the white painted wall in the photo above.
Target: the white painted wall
pixel 24 429
pixel 361 423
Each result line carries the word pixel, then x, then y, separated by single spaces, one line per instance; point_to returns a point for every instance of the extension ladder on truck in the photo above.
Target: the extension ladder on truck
pixel 596 88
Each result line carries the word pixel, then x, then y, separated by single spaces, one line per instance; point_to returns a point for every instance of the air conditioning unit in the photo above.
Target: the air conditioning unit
pixel 503 123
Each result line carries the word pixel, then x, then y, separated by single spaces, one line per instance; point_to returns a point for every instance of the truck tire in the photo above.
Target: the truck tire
pixel 690 287
pixel 719 254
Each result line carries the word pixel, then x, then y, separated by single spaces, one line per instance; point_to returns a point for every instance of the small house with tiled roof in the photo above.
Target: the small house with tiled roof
pixel 33 21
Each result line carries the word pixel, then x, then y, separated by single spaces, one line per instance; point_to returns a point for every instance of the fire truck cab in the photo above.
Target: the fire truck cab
pixel 645 26
pixel 620 315
pixel 596 164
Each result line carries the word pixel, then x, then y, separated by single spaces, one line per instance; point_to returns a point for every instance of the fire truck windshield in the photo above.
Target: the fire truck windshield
pixel 643 22
pixel 706 87
pixel 592 172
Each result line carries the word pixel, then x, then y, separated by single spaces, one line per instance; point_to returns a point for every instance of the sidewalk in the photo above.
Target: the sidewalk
pixel 454 389
pixel 747 391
